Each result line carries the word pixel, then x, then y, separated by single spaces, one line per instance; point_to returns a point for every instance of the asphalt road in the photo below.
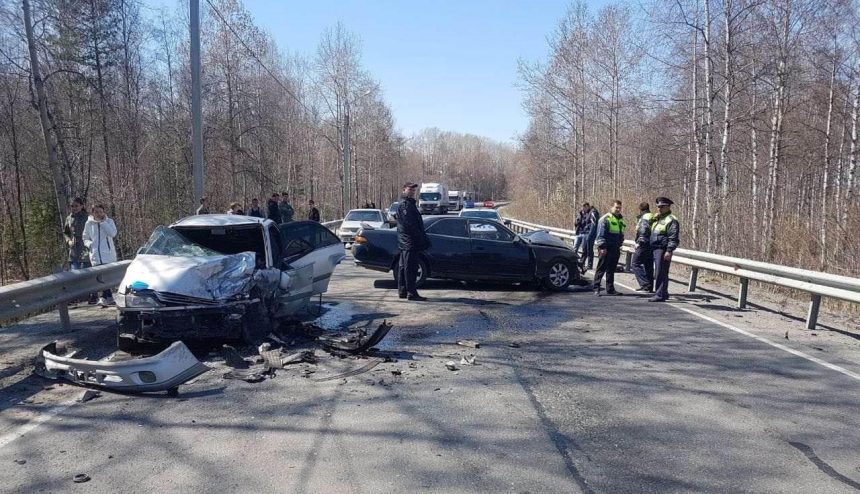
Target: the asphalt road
pixel 571 393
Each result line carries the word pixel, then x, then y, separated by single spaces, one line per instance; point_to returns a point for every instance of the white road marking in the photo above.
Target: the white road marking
pixel 762 339
pixel 36 422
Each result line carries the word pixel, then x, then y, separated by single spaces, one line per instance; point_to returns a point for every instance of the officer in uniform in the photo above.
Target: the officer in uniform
pixel 412 240
pixel 664 241
pixel 642 262
pixel 610 238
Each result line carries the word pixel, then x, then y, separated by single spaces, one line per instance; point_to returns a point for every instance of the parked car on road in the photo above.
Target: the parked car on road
pixel 490 214
pixel 357 219
pixel 223 276
pixel 473 249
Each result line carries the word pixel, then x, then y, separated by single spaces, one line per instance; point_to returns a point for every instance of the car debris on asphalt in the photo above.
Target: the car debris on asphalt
pixel 358 341
pixel 468 360
pixel 162 372
pixel 88 395
pixel 451 365
pixel 469 343
pixel 81 478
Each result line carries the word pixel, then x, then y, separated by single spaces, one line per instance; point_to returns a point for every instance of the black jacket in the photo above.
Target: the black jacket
pixel 314 214
pixel 664 232
pixel 582 225
pixel 643 229
pixel 274 212
pixel 410 226
pixel 255 212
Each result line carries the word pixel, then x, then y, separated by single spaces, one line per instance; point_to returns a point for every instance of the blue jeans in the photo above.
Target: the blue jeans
pixel 580 239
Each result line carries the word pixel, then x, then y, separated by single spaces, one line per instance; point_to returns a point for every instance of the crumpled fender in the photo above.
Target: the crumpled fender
pixel 174 366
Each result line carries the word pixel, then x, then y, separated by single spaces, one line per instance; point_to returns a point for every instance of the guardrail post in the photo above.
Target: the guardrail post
pixel 694 278
pixel 742 293
pixel 812 316
pixel 65 320
pixel 628 260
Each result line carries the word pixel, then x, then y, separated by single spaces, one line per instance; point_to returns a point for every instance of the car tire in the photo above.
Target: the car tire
pixel 559 275
pixel 422 271
pixel 256 324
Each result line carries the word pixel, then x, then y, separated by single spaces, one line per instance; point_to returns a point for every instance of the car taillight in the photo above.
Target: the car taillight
pixel 360 239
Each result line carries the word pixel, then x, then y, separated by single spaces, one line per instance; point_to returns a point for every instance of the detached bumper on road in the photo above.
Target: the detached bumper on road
pixel 174 366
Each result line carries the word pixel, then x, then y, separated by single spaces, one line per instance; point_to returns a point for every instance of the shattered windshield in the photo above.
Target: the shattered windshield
pixel 167 242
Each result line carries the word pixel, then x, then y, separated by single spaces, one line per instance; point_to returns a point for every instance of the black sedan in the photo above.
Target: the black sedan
pixel 473 249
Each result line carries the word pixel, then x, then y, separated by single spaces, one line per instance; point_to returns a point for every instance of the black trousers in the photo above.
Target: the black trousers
pixel 661 270
pixel 642 265
pixel 606 266
pixel 407 272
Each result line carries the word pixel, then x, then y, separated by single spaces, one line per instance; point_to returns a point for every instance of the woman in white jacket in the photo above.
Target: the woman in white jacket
pixel 98 238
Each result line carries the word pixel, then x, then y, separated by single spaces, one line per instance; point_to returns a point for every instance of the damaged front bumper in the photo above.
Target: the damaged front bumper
pixel 174 366
pixel 184 323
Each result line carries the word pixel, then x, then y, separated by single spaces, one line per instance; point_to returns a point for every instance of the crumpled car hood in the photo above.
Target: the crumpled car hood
pixel 211 277
pixel 543 237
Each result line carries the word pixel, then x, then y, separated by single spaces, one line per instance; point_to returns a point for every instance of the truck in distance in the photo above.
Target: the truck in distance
pixel 433 199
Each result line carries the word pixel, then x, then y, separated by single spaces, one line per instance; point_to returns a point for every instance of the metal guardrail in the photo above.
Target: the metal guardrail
pixel 817 284
pixel 57 290
pixel 30 297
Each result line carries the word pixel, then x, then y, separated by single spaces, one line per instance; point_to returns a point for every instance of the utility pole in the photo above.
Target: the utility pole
pixel 196 108
pixel 347 182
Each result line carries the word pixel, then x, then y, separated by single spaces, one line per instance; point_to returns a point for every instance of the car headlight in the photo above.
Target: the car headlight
pixel 135 301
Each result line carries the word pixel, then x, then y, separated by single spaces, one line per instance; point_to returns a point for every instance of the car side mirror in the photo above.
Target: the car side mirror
pixel 392 223
pixel 507 222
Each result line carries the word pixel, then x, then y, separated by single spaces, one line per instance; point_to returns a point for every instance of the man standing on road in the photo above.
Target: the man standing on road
pixel 286 208
pixel 590 232
pixel 255 210
pixel 313 213
pixel 99 233
pixel 273 212
pixel 412 240
pixel 610 238
pixel 579 226
pixel 664 241
pixel 203 208
pixel 642 263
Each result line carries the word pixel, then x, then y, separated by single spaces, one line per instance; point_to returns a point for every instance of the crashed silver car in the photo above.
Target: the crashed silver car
pixel 223 276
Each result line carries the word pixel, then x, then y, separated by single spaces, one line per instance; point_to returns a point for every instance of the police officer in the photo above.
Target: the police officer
pixel 664 241
pixel 412 240
pixel 642 262
pixel 610 238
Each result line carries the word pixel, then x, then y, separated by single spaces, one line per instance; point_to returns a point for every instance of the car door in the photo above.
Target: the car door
pixel 451 249
pixel 307 243
pixel 497 253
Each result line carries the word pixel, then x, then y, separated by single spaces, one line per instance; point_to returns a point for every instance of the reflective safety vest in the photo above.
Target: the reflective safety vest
pixel 649 217
pixel 662 224
pixel 616 225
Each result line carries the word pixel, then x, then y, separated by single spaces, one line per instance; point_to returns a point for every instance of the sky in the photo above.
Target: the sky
pixel 450 64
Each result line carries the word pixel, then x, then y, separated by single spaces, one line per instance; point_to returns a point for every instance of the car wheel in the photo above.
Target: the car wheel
pixel 422 272
pixel 559 275
pixel 256 324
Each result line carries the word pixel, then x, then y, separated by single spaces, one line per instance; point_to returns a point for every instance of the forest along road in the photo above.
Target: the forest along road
pixel 570 393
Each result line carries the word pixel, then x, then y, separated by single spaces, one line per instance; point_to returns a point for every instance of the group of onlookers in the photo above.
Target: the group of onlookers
pixel 278 209
pixel 90 238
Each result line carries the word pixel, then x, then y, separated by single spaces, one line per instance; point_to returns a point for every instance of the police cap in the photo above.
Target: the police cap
pixel 664 201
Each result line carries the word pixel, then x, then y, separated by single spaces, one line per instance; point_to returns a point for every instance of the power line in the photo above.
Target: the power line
pixel 255 57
